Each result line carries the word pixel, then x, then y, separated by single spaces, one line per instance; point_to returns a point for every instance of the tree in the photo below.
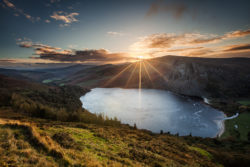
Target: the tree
pixel 61 115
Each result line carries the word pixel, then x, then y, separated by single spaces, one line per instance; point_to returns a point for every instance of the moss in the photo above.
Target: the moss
pixel 201 151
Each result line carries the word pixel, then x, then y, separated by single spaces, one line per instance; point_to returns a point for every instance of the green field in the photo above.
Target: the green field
pixel 46 81
pixel 243 123
pixel 244 102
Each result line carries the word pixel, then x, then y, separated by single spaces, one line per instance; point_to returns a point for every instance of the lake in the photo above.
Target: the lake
pixel 155 110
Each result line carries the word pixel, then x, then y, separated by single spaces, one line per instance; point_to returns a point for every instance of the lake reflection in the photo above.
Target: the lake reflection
pixel 155 110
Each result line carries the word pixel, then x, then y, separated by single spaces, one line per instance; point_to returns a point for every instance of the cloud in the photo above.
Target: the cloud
pixel 41 49
pixel 66 18
pixel 169 40
pixel 240 47
pixel 47 21
pixel 54 1
pixel 238 33
pixel 113 33
pixel 9 4
pixel 47 52
pixel 229 35
pixel 185 44
pixel 176 9
pixel 224 51
pixel 18 11
pixel 92 55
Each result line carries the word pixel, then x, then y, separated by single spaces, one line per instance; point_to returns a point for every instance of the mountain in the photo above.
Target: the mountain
pixel 43 74
pixel 202 77
pixel 191 76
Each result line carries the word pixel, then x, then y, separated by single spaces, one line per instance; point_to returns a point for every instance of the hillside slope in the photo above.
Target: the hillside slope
pixel 39 142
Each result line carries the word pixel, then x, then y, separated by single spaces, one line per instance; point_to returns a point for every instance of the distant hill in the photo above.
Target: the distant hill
pixel 209 77
pixel 40 75
pixel 45 95
pixel 202 77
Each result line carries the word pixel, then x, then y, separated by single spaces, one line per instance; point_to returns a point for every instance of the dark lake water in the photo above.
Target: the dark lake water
pixel 155 110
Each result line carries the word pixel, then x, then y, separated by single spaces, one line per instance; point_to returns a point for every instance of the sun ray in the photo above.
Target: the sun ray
pixel 140 86
pixel 145 68
pixel 140 76
pixel 131 75
pixel 117 75
pixel 157 71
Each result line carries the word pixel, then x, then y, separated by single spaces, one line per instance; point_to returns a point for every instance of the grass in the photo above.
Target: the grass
pixel 95 147
pixel 201 151
pixel 78 144
pixel 89 82
pixel 243 123
pixel 16 148
pixel 46 81
pixel 55 143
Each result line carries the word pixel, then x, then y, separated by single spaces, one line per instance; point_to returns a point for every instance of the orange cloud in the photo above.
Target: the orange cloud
pixel 9 4
pixel 230 35
pixel 66 18
pixel 188 44
pixel 240 47
pixel 167 40
pixel 238 33
pixel 159 44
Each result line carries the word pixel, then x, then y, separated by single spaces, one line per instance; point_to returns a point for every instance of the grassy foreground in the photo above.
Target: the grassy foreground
pixel 40 142
pixel 28 141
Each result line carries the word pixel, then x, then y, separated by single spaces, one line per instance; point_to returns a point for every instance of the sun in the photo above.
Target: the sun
pixel 140 57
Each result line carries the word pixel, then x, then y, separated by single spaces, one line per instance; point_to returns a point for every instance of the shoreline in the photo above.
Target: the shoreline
pixel 222 124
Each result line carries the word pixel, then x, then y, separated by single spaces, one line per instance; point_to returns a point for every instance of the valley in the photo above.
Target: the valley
pixel 50 111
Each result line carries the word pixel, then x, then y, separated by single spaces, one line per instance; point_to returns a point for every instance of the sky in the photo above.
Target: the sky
pixel 115 31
